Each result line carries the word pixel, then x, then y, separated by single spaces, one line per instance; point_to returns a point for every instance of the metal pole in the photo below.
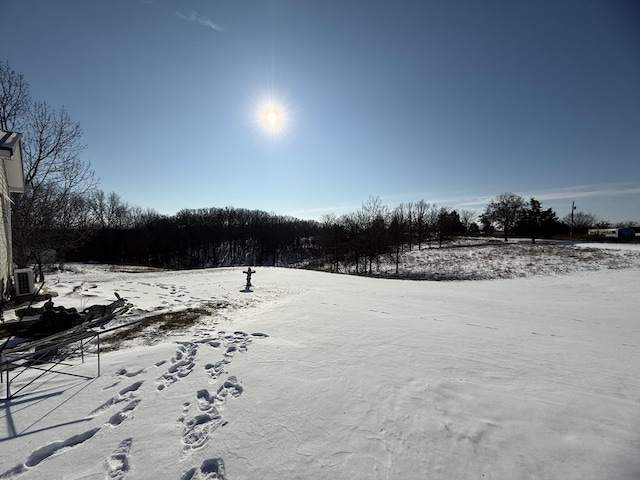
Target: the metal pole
pixel 573 207
pixel 98 354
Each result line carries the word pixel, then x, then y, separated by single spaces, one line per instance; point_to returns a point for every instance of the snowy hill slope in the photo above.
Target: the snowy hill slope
pixel 314 375
pixel 480 259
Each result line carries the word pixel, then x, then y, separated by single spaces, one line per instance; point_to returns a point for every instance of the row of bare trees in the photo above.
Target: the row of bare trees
pixel 111 231
pixel 354 242
pixel 211 237
pixel 357 240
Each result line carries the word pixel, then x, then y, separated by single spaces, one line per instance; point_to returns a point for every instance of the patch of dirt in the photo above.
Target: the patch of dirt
pixel 154 329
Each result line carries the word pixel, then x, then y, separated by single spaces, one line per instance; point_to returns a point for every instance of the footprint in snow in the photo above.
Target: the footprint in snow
pixel 205 402
pixel 47 451
pixel 123 395
pixel 214 370
pixel 196 431
pixel 119 417
pixel 211 469
pixel 118 463
pixel 182 363
pixel 230 387
pixel 123 372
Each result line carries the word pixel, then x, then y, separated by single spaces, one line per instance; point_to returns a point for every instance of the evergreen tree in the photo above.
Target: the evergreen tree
pixel 535 222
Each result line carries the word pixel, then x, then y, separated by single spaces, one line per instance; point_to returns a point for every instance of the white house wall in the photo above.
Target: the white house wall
pixel 11 181
pixel 5 235
pixel 12 158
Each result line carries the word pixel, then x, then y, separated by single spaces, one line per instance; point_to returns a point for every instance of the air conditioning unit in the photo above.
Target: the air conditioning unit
pixel 23 278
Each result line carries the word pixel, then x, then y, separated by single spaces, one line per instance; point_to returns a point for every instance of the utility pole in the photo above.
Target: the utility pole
pixel 573 207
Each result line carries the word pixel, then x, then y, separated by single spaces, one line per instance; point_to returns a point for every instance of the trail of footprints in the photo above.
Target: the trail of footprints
pixel 195 429
pixel 125 395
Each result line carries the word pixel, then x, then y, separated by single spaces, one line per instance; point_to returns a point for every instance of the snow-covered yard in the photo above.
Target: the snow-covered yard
pixel 315 376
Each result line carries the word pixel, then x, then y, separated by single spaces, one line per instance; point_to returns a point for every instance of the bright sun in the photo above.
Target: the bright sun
pixel 272 117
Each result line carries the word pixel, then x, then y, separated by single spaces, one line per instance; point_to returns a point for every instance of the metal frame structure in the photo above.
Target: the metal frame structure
pixel 33 355
pixel 29 355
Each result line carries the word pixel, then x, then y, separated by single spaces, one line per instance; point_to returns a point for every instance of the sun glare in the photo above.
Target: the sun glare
pixel 272 117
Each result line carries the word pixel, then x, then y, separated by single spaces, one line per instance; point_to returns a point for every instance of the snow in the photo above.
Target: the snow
pixel 315 375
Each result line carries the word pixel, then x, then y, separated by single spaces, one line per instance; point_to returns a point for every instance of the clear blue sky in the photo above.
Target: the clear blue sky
pixel 453 102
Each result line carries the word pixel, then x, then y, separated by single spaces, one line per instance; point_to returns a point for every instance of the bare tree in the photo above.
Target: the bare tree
pixel 421 209
pixel 467 217
pixel 54 172
pixel 504 212
pixel 334 240
pixel 432 223
pixel 627 223
pixel 355 240
pixel 374 217
pixel 397 232
pixel 110 211
pixel 14 98
pixel 372 208
pixel 144 218
pixel 410 214
pixel 582 221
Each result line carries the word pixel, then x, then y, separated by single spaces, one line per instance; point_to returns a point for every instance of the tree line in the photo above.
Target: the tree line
pixel 108 230
pixel 516 217
pixel 195 238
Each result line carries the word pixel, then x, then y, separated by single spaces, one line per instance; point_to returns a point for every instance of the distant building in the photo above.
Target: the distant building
pixel 620 233
pixel 11 181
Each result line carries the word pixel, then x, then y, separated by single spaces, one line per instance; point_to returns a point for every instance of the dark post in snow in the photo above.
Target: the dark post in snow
pixel 573 207
pixel 248 271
